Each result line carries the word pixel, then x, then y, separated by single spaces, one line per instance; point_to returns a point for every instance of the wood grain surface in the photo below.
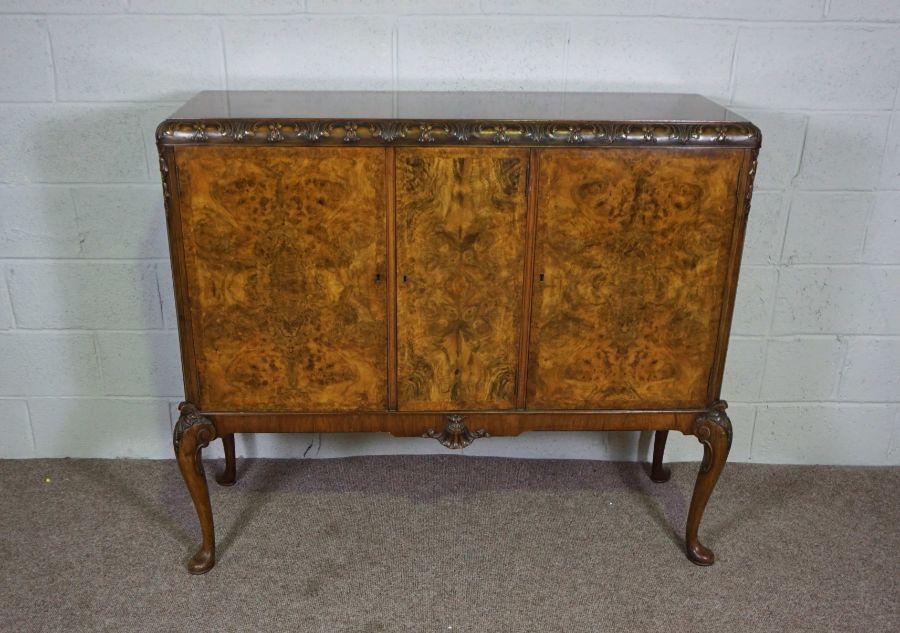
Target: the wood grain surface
pixel 460 258
pixel 282 247
pixel 631 258
pixel 416 423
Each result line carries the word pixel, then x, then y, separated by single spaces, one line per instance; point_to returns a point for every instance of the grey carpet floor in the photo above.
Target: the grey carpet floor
pixel 447 544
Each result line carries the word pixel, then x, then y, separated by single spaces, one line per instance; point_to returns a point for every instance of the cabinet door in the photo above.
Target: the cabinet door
pixel 281 250
pixel 631 263
pixel 460 271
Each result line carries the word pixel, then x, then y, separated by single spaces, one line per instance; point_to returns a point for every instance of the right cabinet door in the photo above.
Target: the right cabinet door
pixel 631 263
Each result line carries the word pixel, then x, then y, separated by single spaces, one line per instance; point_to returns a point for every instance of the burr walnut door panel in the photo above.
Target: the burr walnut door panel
pixel 282 247
pixel 460 271
pixel 631 263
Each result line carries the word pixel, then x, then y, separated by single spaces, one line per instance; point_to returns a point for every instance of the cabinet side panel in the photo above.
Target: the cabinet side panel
pixel 282 247
pixel 176 257
pixel 460 257
pixel 632 255
pixel 744 194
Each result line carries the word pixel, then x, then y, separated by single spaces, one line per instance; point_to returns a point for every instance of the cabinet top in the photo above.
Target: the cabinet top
pixel 411 118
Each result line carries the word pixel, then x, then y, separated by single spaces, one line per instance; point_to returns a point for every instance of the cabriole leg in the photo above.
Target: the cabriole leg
pixel 192 433
pixel 713 430
pixel 228 476
pixel 658 472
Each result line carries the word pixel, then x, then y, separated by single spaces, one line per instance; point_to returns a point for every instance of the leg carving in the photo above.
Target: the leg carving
pixel 228 476
pixel 713 429
pixel 192 433
pixel 658 472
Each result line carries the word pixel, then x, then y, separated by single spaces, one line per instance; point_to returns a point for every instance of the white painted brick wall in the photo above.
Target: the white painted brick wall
pixel 15 427
pixel 779 158
pixel 826 67
pixel 758 9
pixel 466 53
pixel 826 434
pixel 121 222
pixel 48 364
pixel 864 10
pixel 88 349
pixel 85 295
pixel 802 368
pixel 37 221
pixel 6 318
pixel 63 6
pixel 890 170
pixel 843 151
pixel 67 143
pixel 215 6
pixel 838 300
pixel 746 360
pixel 140 363
pixel 883 234
pixel 755 297
pixel 826 227
pixel 95 426
pixel 25 40
pixel 128 59
pixel 765 230
pixel 871 372
pixel 650 55
pixel 318 53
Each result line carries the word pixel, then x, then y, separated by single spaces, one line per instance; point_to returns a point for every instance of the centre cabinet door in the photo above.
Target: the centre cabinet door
pixel 285 255
pixel 631 262
pixel 460 271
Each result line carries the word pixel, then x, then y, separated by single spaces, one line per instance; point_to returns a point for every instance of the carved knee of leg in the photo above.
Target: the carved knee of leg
pixel 713 430
pixel 193 432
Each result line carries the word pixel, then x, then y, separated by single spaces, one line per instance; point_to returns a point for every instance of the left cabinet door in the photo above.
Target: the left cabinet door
pixel 284 251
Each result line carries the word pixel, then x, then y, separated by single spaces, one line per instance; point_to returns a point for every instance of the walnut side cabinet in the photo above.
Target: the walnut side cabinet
pixel 454 266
